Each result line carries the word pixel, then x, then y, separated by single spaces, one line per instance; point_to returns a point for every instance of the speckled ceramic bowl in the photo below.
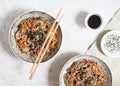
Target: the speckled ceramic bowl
pixel 14 47
pixel 78 58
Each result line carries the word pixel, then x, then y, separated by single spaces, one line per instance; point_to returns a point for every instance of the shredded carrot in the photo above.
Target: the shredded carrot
pixel 21 43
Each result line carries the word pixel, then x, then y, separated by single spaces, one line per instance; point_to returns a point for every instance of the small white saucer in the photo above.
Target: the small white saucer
pixel 110 44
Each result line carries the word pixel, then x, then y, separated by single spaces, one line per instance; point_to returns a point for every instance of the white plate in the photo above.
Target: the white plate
pixel 103 43
pixel 78 58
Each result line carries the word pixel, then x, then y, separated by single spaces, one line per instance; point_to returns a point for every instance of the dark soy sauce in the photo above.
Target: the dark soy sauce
pixel 94 21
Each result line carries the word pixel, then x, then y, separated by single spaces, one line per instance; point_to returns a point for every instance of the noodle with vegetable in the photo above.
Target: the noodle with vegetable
pixel 85 73
pixel 32 33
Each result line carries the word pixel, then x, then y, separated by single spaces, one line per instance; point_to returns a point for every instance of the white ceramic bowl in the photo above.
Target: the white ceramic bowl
pixel 87 18
pixel 111 50
pixel 78 58
pixel 14 27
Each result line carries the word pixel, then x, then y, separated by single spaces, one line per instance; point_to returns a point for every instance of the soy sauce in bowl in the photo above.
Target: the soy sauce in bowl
pixel 93 21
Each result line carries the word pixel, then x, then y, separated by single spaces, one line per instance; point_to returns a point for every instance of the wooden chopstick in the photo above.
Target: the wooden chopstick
pixel 44 52
pixel 49 33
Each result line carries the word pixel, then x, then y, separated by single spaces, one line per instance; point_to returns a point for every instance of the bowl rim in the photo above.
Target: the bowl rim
pixel 70 61
pixel 9 35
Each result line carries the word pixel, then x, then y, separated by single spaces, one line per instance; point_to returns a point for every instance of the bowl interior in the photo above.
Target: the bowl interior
pixel 14 28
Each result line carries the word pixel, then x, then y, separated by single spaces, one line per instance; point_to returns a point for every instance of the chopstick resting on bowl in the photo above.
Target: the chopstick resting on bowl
pixel 48 35
pixel 46 44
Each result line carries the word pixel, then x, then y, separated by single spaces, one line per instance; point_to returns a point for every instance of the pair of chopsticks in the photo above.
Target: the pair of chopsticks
pixel 46 44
